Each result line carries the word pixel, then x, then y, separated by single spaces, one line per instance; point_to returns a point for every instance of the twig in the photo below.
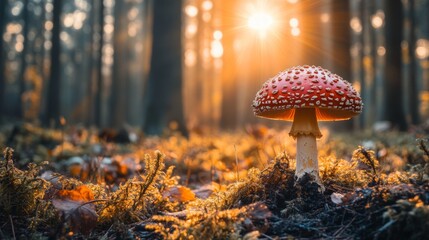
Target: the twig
pixel 371 163
pixel 236 164
pixel 13 228
pixel 423 147
pixel 212 170
pixel 188 171
pixel 62 123
pixel 384 227
pixel 149 179
pixel 366 154
pixel 341 230
pixel 258 156
pixel 92 201
pixel 105 235
pixel 265 235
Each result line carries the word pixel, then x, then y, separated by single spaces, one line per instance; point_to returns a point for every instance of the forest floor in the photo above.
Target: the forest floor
pixel 79 183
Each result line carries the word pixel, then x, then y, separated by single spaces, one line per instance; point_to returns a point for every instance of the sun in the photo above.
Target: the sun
pixel 260 21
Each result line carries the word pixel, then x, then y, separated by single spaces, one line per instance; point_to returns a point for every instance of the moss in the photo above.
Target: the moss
pixel 243 186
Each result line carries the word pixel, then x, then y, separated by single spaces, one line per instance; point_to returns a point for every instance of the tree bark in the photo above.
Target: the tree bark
pixel 356 53
pixel 379 42
pixel 393 86
pixel 98 75
pixel 409 99
pixel 164 89
pixel 368 89
pixel 3 6
pixel 53 106
pixel 422 59
pixel 120 66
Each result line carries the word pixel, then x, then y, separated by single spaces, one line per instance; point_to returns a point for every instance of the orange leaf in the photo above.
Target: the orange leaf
pixel 180 193
pixel 81 193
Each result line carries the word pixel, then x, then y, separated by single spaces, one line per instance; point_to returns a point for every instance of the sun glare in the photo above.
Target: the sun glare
pixel 260 21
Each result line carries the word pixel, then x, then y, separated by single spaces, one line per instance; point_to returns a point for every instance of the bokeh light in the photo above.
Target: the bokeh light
pixel 377 20
pixel 295 32
pixel 381 51
pixel 293 22
pixel 422 48
pixel 356 25
pixel 191 11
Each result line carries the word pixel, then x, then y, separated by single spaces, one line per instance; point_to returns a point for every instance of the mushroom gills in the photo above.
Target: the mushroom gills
pixel 305 123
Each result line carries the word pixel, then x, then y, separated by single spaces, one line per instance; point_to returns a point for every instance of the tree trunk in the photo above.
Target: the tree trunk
pixel 409 95
pixel 22 107
pixel 379 55
pixel 338 46
pixel 53 106
pixel 120 66
pixel 368 65
pixel 422 58
pixel 164 89
pixel 393 85
pixel 98 75
pixel 229 89
pixel 356 52
pixel 3 6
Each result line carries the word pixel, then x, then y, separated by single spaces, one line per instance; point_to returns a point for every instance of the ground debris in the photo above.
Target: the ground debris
pixel 227 186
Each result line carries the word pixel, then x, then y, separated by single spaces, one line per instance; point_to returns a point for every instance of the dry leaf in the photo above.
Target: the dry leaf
pixel 337 198
pixel 74 209
pixel 80 216
pixel 81 193
pixel 179 193
pixel 204 191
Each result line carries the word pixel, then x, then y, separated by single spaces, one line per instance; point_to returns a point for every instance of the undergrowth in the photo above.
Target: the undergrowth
pixel 228 186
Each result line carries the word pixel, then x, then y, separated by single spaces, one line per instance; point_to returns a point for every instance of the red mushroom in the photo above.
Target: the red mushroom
pixel 305 95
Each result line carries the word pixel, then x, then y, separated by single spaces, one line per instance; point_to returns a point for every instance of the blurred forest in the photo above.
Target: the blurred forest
pixel 196 64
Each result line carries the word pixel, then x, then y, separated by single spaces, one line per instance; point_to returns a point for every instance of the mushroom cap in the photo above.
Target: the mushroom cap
pixel 307 87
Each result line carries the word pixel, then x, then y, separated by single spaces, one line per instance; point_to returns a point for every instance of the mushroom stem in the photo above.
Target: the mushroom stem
pixel 306 156
pixel 305 130
pixel 305 123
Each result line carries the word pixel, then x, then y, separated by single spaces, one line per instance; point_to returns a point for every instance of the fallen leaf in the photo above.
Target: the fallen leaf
pixel 80 216
pixel 81 193
pixel 179 193
pixel 337 198
pixel 204 191
pixel 75 210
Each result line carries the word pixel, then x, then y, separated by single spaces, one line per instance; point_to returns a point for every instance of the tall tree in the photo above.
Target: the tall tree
pixel 3 5
pixel 164 91
pixel 120 73
pixel 368 65
pixel 409 95
pixel 393 88
pixel 52 111
pixel 339 48
pixel 422 57
pixel 97 19
pixel 356 51
pixel 379 46
pixel 24 62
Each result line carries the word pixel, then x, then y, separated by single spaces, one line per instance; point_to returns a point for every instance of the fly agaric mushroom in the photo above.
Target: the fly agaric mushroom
pixel 305 95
